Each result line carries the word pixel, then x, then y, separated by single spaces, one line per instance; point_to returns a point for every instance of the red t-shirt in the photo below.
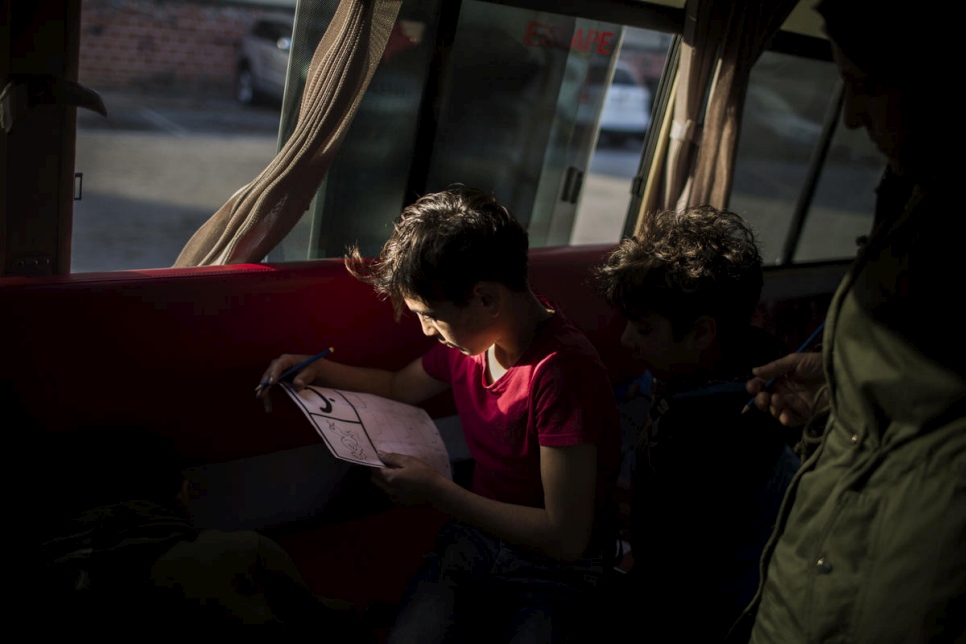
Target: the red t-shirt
pixel 557 394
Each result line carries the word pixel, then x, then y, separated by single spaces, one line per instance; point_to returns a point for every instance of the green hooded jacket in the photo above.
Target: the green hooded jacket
pixel 870 544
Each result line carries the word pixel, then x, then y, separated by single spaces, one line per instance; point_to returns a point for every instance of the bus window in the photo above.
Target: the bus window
pixel 624 120
pixel 366 184
pixel 844 201
pixel 783 123
pixel 548 111
pixel 516 99
pixel 781 127
pixel 177 141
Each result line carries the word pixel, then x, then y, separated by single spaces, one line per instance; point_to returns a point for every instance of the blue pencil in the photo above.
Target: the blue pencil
pixel 771 383
pixel 296 368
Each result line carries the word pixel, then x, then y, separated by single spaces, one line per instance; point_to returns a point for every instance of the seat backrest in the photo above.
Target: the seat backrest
pixel 179 351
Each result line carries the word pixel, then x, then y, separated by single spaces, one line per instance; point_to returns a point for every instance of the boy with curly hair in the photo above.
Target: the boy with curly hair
pixel 707 480
pixel 530 537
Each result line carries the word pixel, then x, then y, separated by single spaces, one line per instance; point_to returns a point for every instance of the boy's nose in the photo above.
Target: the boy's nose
pixel 428 328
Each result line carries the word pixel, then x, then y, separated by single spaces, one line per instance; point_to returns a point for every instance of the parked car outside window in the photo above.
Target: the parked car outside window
pixel 626 112
pixel 263 60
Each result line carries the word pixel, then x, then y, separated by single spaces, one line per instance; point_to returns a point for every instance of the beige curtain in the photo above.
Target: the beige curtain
pixel 751 24
pixel 702 32
pixel 257 217
pixel 701 141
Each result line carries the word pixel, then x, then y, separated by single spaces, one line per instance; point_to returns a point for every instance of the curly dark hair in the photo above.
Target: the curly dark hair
pixel 442 245
pixel 683 265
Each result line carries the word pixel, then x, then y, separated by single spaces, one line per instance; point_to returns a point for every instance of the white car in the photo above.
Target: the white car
pixel 263 60
pixel 626 111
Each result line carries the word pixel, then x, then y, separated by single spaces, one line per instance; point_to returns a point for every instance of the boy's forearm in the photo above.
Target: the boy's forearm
pixel 350 378
pixel 411 384
pixel 528 527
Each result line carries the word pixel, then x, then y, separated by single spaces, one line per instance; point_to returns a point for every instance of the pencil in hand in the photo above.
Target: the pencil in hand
pixel 771 383
pixel 291 371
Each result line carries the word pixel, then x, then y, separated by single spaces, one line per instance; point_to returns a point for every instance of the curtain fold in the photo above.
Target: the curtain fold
pixel 721 41
pixel 259 215
pixel 751 25
pixel 702 32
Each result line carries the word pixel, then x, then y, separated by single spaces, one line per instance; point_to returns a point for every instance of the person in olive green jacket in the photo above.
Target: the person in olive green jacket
pixel 870 544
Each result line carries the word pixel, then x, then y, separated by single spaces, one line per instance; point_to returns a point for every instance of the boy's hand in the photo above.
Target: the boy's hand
pixel 798 378
pixel 278 366
pixel 406 479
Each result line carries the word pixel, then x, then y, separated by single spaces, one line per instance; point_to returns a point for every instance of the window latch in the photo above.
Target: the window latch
pixel 573 181
pixel 637 186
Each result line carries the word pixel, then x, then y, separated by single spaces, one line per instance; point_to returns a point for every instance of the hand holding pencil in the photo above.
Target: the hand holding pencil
pixel 795 379
pixel 299 367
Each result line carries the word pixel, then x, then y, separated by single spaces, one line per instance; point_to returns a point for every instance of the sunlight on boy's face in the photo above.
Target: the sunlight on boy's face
pixel 452 325
pixel 651 340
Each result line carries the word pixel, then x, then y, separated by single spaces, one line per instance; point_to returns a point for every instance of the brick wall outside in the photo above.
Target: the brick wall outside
pixel 172 45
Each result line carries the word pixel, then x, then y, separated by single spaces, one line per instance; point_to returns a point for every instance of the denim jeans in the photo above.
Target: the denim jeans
pixel 476 588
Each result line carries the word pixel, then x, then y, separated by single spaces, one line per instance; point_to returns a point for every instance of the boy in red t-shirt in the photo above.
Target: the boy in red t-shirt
pixel 534 533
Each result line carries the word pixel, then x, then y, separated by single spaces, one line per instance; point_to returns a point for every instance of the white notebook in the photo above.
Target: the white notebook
pixel 354 426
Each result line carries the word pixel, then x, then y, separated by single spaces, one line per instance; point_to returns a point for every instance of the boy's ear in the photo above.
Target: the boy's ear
pixel 488 294
pixel 704 331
